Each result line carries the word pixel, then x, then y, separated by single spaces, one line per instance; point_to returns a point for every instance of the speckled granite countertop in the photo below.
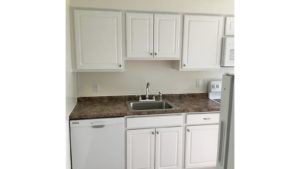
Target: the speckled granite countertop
pixel 116 106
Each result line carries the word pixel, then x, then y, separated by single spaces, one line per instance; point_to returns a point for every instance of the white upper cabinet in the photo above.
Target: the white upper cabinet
pixel 201 146
pixel 228 43
pixel 167 35
pixel 98 36
pixel 228 52
pixel 229 26
pixel 202 39
pixel 169 148
pixel 139 31
pixel 153 36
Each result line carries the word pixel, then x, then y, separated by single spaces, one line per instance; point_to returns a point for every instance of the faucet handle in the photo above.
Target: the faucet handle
pixel 160 96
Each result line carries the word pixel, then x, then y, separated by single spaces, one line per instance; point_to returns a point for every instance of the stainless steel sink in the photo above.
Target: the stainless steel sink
pixel 150 105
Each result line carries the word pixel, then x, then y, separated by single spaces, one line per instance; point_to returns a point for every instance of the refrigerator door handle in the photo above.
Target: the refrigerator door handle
pixel 221 142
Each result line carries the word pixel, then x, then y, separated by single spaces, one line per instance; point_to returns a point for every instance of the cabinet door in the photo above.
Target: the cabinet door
pixel 201 146
pixel 228 52
pixel 139 31
pixel 229 26
pixel 202 42
pixel 140 149
pixel 167 36
pixel 169 148
pixel 98 36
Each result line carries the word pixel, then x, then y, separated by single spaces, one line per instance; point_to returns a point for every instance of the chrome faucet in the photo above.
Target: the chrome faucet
pixel 147 94
pixel 147 90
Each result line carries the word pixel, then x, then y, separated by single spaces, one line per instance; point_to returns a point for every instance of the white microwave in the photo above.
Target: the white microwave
pixel 228 52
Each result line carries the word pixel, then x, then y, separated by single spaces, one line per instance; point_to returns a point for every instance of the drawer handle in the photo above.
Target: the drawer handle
pixel 188 130
pixel 153 132
pixel 157 132
pixel 206 118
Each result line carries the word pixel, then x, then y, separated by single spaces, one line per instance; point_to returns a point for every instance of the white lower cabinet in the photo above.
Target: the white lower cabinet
pixel 140 149
pixel 201 146
pixel 159 148
pixel 169 148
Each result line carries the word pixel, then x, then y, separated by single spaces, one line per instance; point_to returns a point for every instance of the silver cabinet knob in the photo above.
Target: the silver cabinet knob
pixel 153 132
pixel 151 53
pixel 120 65
pixel 184 65
pixel 155 53
pixel 188 130
pixel 157 132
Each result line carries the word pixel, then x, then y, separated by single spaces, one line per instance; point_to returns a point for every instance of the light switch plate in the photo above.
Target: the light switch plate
pixel 199 83
pixel 96 88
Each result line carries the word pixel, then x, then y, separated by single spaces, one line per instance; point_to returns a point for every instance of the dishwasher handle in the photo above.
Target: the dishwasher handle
pixel 98 126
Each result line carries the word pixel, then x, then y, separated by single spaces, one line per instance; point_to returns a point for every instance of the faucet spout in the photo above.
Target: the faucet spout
pixel 147 94
pixel 147 90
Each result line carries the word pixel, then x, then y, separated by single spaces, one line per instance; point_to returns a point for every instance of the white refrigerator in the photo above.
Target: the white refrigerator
pixel 226 135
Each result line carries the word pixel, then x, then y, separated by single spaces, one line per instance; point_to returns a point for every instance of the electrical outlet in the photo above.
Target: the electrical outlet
pixel 96 88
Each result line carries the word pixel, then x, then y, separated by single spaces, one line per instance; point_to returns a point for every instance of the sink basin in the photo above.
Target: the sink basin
pixel 150 105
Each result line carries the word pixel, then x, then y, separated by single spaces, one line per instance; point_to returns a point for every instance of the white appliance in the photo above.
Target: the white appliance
pixel 98 143
pixel 226 132
pixel 214 88
pixel 228 52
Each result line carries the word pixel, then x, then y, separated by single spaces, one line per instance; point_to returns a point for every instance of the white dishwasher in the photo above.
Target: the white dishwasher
pixel 98 143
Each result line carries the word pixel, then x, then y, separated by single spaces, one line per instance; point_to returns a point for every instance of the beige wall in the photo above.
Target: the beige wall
pixel 71 75
pixel 160 74
pixel 191 6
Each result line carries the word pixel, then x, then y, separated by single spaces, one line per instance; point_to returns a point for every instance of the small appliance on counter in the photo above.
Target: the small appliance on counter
pixel 214 88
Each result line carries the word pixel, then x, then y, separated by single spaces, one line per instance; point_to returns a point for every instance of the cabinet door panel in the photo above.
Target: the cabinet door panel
pixel 139 31
pixel 140 149
pixel 229 27
pixel 201 146
pixel 202 42
pixel 167 31
pixel 228 52
pixel 98 37
pixel 169 148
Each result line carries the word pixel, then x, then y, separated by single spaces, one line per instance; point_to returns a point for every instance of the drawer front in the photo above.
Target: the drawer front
pixel 211 118
pixel 155 121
